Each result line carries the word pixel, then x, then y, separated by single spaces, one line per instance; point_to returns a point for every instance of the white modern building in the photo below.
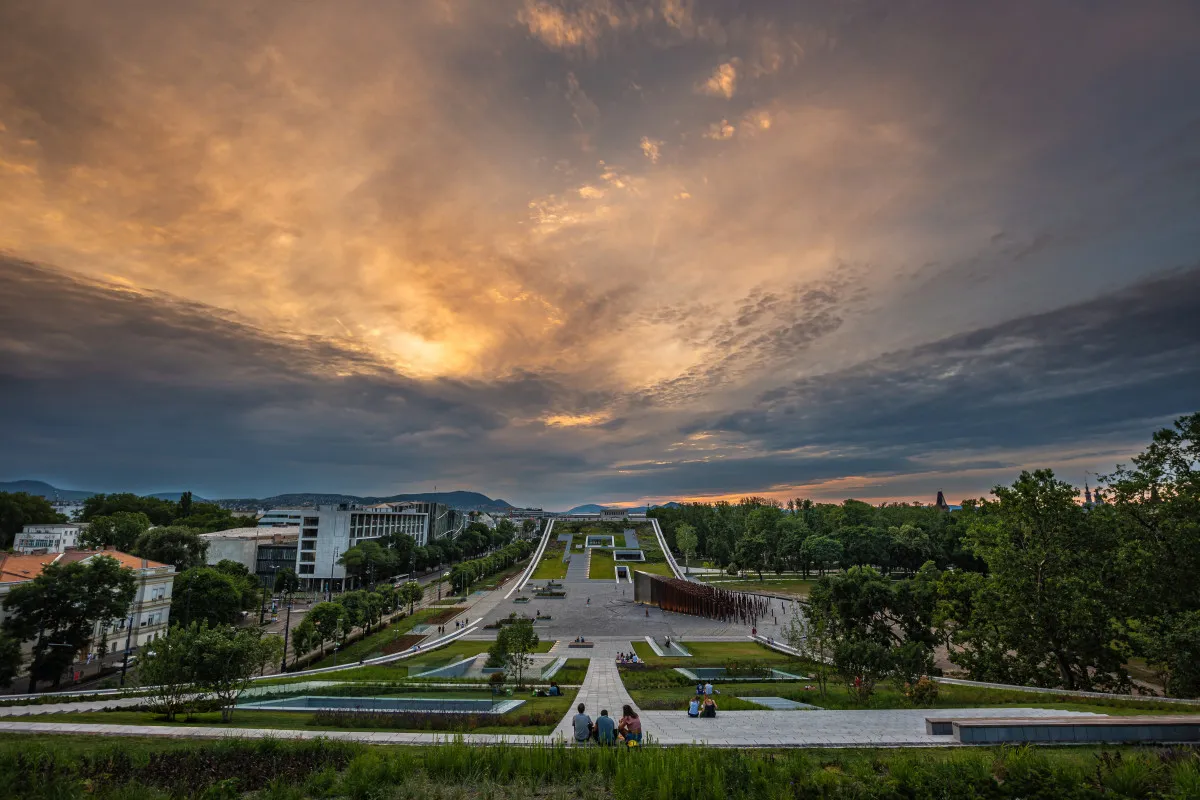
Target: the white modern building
pixel 282 517
pixel 329 531
pixel 55 537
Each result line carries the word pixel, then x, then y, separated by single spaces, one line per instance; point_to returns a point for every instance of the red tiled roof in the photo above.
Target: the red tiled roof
pixel 17 568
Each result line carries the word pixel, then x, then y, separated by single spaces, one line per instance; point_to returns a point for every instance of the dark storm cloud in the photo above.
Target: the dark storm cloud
pixel 1116 362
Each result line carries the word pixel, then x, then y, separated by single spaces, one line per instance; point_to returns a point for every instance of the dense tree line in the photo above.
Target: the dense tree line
pixel 383 559
pixel 1030 586
pixel 760 535
pixel 186 513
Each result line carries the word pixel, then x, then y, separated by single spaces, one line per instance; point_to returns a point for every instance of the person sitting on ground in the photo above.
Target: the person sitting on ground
pixel 606 728
pixel 709 709
pixel 630 726
pixel 582 724
pixel 708 690
pixel 699 689
pixel 554 690
pixel 694 707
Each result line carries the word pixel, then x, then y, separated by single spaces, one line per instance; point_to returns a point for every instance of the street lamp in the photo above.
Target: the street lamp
pixel 287 626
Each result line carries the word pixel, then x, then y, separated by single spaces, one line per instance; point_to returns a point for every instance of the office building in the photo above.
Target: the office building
pixel 329 531
pixel 262 551
pixel 282 517
pixel 57 537
pixel 149 613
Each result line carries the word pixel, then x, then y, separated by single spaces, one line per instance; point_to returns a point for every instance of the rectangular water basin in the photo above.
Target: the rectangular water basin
pixel 427 705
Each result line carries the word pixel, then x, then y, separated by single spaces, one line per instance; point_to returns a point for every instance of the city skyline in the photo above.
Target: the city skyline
pixel 594 252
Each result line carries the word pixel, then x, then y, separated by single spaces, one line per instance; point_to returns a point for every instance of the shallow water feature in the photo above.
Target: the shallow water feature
pixel 421 704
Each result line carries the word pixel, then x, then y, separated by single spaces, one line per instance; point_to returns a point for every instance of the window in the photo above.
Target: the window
pixel 307 569
pixel 308 558
pixel 309 546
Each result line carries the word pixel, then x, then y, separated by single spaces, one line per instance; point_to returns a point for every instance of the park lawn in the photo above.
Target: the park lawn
pixel 372 646
pixel 498 580
pixel 601 565
pixel 551 567
pixel 789 587
pixel 303 720
pixel 716 654
pixel 653 567
pixel 573 672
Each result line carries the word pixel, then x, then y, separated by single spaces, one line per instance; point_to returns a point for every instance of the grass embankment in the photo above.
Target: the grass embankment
pixel 494 582
pixel 601 565
pixel 141 769
pixel 372 646
pixel 552 567
pixel 549 709
pixel 573 672
pixel 788 587
pixel 399 670
pixel 715 654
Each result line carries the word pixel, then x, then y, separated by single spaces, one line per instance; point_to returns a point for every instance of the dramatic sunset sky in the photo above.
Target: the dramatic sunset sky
pixel 594 251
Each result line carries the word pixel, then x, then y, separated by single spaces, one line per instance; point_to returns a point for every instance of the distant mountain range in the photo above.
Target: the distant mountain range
pixel 592 508
pixel 464 501
pixel 43 489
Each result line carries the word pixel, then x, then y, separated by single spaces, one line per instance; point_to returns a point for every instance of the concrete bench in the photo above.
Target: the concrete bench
pixel 1077 729
pixel 582 644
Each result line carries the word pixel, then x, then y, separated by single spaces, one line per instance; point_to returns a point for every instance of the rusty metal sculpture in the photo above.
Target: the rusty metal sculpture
pixel 702 600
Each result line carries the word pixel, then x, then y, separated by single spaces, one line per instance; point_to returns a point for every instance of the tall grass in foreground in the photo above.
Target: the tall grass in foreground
pixel 132 770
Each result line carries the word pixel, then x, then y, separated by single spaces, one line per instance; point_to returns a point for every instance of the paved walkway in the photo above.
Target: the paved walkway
pixel 893 728
pixel 602 687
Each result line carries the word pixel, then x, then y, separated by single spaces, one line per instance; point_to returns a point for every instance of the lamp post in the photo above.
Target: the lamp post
pixel 287 627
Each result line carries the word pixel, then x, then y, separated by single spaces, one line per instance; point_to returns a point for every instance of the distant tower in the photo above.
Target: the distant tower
pixel 941 501
pixel 1087 494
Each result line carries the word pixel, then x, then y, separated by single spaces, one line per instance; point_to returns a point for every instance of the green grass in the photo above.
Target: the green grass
pixel 146 769
pixel 654 568
pixel 372 646
pixel 601 566
pixel 551 567
pixel 789 587
pixel 573 672
pixel 496 581
pixel 715 654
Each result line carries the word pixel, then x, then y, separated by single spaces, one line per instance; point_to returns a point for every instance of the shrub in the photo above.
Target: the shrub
pixel 922 693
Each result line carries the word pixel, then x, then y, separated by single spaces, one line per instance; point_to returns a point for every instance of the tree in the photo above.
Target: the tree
pixel 248 585
pixel 160 512
pixel 821 551
pixel 286 581
pixel 225 662
pixel 205 594
pixel 369 559
pixel 411 593
pixel 176 545
pixel 1156 505
pixel 270 652
pixel 327 620
pixel 304 637
pixel 686 540
pixel 18 509
pixel 876 627
pixel 517 641
pixel 1052 598
pixel 11 658
pixel 185 504
pixel 527 528
pixel 59 610
pixel 119 531
pixel 169 670
pixel 812 637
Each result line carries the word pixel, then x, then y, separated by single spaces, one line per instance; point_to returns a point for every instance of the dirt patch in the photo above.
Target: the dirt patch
pixel 402 643
pixel 443 615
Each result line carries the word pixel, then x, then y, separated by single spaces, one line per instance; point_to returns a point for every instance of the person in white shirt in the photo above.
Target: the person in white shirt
pixel 708 689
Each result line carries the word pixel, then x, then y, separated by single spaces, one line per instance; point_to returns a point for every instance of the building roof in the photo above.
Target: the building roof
pixel 19 568
pixel 266 532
